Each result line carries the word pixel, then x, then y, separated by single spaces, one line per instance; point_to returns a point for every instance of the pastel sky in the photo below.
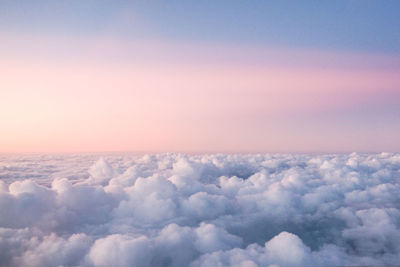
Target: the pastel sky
pixel 200 76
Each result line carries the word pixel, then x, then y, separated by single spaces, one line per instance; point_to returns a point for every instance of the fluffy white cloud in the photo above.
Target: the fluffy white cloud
pixel 200 210
pixel 121 250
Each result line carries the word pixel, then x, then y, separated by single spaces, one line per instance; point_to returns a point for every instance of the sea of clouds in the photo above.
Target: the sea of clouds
pixel 200 210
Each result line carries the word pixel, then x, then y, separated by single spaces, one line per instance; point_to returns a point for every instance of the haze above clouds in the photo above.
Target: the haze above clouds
pixel 200 210
pixel 261 76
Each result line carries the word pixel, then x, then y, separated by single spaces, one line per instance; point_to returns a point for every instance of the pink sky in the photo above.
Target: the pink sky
pixel 64 95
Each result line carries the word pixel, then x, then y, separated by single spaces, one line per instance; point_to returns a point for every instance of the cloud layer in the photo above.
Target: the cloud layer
pixel 200 210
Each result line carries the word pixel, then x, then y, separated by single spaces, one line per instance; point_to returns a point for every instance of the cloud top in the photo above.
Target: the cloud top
pixel 203 210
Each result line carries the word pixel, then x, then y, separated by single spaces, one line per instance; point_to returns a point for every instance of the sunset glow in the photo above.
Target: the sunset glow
pixel 104 92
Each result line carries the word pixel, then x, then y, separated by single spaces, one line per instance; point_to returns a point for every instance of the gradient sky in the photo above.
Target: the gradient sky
pixel 200 76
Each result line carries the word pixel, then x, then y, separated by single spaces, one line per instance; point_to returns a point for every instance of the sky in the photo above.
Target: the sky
pixel 199 76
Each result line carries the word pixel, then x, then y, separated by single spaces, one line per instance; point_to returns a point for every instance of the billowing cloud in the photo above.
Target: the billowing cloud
pixel 200 210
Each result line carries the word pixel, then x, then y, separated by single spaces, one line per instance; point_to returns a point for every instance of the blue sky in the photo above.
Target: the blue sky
pixel 331 25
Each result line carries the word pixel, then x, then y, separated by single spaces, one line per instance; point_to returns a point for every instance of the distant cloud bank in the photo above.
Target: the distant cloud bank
pixel 200 210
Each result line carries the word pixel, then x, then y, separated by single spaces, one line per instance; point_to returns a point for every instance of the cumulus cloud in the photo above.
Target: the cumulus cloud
pixel 200 210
